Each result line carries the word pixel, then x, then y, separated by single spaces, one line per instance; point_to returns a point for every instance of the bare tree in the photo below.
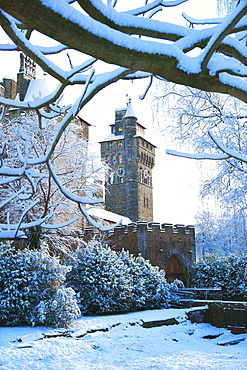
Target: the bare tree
pixel 34 196
pixel 200 116
pixel 215 128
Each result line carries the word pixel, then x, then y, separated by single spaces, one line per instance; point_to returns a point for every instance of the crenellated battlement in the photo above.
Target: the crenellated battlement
pixel 155 242
pixel 153 227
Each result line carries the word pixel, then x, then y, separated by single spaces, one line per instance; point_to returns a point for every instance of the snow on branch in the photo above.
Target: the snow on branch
pixel 197 156
pixel 229 152
pixel 61 225
pixel 97 225
pixel 226 152
pixel 146 8
pixel 9 26
pixel 222 31
pixel 194 21
pixel 75 198
pixel 109 35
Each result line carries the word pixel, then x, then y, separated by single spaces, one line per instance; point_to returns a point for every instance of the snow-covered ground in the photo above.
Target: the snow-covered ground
pixel 126 345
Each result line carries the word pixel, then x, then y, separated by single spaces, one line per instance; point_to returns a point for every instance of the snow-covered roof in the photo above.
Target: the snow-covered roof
pixel 112 137
pixel 130 111
pixel 37 89
pixel 120 109
pixel 107 215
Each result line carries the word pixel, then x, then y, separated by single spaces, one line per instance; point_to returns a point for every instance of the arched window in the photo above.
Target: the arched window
pixel 120 158
pixel 145 202
pixel 114 159
pixel 111 177
pixel 141 174
pixel 120 180
pixel 108 160
pixel 145 177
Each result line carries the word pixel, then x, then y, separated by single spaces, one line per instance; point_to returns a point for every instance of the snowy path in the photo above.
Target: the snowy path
pixel 124 346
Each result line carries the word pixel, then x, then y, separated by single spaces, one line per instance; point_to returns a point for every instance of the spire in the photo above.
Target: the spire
pixel 130 111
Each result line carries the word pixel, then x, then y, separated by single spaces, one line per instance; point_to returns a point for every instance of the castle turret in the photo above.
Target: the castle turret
pixel 131 159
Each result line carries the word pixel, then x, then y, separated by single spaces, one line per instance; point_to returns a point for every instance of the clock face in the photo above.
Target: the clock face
pixel 120 172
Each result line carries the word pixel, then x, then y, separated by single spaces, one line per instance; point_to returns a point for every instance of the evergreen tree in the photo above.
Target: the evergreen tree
pixel 226 272
pixel 32 290
pixel 106 281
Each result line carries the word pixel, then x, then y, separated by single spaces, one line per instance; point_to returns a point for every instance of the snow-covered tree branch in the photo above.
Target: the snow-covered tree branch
pixel 94 28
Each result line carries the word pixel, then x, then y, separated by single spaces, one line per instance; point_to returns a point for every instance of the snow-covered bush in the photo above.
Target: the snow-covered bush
pixel 226 272
pixel 32 291
pixel 106 281
pixel 149 286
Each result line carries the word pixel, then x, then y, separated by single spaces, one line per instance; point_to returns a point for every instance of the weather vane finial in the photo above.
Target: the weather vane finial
pixel 128 100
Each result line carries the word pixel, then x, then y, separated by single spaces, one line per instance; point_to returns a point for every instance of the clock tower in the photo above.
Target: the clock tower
pixel 131 158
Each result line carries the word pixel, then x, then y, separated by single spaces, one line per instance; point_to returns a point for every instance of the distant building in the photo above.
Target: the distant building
pixel 29 88
pixel 131 157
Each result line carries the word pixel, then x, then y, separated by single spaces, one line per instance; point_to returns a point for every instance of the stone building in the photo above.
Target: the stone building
pixel 29 88
pixel 11 89
pixel 131 157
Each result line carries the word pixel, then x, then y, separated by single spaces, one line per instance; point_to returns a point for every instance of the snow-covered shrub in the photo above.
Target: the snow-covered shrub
pixel 226 272
pixel 106 281
pixel 149 286
pixel 99 279
pixel 32 291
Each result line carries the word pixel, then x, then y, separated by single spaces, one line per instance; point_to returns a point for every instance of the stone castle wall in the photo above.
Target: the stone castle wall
pixel 155 242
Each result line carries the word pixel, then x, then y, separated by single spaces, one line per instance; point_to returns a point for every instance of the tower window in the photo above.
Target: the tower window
pixel 141 175
pixel 145 176
pixel 120 180
pixel 120 158
pixel 111 177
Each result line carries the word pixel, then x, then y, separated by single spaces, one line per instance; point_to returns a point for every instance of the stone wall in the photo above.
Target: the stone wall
pixel 155 242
